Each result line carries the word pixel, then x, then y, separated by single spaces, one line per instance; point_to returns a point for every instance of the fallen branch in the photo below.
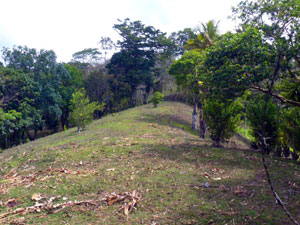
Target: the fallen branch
pixel 130 200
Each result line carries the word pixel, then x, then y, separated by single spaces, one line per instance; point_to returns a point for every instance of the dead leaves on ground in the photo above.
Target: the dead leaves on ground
pixel 128 201
pixel 14 179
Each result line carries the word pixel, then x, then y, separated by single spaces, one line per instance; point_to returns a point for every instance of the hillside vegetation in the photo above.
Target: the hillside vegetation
pixel 151 158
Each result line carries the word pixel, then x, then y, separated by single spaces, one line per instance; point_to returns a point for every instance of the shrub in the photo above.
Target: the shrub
pixel 290 129
pixel 82 110
pixel 255 111
pixel 222 119
pixel 156 98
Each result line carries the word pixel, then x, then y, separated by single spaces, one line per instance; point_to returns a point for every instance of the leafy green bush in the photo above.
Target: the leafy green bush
pixel 82 110
pixel 255 111
pixel 222 119
pixel 156 98
pixel 290 129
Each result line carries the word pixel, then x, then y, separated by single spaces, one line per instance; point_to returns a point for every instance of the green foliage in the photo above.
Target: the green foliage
pixel 207 35
pixel 290 127
pixel 106 44
pixel 47 75
pixel 99 89
pixel 82 110
pixel 235 62
pixel 185 69
pixel 222 119
pixel 10 123
pixel 135 61
pixel 156 98
pixel 255 110
pixel 180 39
pixel 88 55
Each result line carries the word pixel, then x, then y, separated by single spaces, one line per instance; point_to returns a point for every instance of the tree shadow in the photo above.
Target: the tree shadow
pixel 172 121
pixel 243 198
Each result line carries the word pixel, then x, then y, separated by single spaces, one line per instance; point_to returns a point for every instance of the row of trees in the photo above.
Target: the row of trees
pixel 225 76
pixel 253 72
pixel 35 93
pixel 38 94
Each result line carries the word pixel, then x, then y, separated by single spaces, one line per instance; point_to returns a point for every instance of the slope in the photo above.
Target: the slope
pixel 151 156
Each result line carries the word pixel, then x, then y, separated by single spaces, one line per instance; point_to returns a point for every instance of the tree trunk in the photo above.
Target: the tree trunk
pixel 132 102
pixel 23 137
pixel 286 151
pixel 6 142
pixel 202 123
pixel 295 156
pixel 278 151
pixel 35 134
pixel 194 118
pixel 145 98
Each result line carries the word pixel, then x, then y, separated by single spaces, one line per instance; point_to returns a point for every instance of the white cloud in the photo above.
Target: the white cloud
pixel 67 26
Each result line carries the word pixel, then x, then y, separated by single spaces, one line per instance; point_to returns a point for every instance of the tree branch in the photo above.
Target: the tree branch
pixel 279 97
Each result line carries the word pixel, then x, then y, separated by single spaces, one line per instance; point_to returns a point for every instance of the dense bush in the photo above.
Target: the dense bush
pixel 156 98
pixel 222 119
pixel 255 109
pixel 290 129
pixel 82 110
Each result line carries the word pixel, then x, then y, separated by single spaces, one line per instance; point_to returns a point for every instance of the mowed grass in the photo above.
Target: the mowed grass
pixel 182 179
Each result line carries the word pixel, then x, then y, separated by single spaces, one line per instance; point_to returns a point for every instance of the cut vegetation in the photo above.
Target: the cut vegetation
pixel 142 166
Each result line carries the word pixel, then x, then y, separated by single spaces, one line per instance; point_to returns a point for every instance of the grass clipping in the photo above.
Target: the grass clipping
pixel 128 201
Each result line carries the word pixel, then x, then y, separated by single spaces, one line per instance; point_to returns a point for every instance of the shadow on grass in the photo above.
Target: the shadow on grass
pixel 246 197
pixel 201 152
pixel 172 121
pixel 246 191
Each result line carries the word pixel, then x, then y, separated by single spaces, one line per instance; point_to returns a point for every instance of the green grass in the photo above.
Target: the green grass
pixel 245 132
pixel 153 151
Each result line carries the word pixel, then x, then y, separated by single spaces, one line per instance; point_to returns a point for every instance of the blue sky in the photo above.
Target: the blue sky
pixel 67 26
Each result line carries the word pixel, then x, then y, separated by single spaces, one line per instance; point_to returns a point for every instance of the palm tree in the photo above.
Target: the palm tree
pixel 207 35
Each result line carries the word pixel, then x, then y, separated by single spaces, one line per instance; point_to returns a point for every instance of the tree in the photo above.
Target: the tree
pixel 48 75
pixel 267 54
pixel 237 61
pixel 82 110
pixel 180 40
pixel 19 93
pixel 136 59
pixel 106 44
pixel 156 98
pixel 9 126
pixel 69 85
pixel 185 72
pixel 278 23
pixel 98 88
pixel 207 35
pixel 87 55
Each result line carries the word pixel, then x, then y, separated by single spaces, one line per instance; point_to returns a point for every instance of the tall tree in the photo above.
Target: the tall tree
pixel 185 72
pixel 106 44
pixel 263 53
pixel 136 58
pixel 208 33
pixel 180 39
pixel 46 72
pixel 87 55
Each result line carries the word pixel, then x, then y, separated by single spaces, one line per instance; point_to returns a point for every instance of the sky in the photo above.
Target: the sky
pixel 68 26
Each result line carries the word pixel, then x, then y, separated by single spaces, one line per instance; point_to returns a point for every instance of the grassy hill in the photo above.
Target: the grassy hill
pixel 145 155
